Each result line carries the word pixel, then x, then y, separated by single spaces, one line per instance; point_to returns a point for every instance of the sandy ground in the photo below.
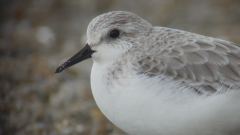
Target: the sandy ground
pixel 38 35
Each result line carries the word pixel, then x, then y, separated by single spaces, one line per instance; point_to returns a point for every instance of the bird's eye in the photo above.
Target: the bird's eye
pixel 114 33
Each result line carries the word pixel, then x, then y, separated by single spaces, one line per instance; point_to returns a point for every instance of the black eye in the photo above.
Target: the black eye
pixel 114 33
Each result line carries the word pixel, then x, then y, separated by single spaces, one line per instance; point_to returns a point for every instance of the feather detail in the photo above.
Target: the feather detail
pixel 205 63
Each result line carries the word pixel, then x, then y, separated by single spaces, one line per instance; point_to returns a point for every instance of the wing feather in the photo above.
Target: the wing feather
pixel 205 63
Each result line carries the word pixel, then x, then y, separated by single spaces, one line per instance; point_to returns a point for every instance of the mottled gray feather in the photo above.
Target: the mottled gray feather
pixel 204 63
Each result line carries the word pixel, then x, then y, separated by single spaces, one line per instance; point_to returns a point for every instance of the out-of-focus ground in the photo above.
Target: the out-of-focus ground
pixel 36 36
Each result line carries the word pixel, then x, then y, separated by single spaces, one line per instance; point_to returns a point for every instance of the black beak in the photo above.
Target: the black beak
pixel 83 54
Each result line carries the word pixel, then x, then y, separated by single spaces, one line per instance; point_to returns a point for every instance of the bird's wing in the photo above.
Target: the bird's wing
pixel 205 63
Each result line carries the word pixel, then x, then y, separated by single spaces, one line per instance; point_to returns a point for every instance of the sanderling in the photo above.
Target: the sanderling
pixel 151 80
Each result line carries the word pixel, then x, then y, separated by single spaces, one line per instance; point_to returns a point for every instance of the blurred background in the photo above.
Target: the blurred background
pixel 36 36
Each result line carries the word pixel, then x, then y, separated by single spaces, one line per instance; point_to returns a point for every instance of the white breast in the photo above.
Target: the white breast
pixel 148 106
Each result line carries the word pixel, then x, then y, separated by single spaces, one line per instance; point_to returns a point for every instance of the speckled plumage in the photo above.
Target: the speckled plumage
pixel 161 81
pixel 204 63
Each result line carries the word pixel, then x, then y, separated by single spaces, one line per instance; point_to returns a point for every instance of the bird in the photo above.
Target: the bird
pixel 153 80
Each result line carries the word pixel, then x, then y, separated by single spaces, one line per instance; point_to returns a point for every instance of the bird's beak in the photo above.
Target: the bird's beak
pixel 83 54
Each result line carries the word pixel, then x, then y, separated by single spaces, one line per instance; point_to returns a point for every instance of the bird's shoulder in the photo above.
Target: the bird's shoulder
pixel 202 62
